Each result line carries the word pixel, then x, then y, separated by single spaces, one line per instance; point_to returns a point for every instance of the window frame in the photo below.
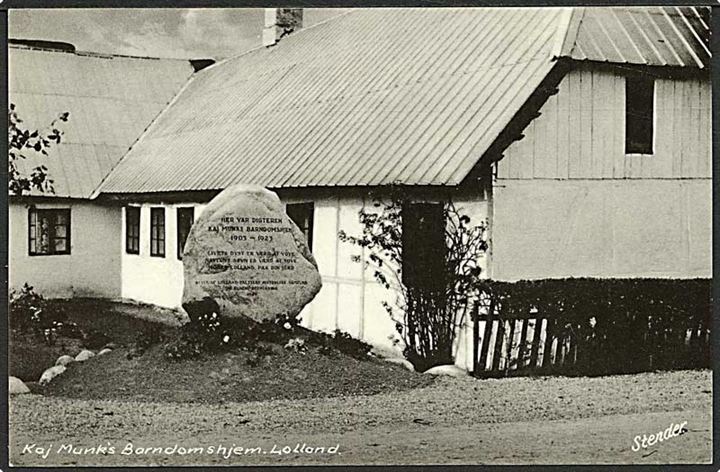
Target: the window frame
pixel 653 121
pixel 307 209
pixel 157 229
pixel 128 236
pixel 179 237
pixel 68 231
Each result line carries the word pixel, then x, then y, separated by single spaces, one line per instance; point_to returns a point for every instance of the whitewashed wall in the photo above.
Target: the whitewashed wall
pixel 156 280
pixel 92 269
pixel 350 298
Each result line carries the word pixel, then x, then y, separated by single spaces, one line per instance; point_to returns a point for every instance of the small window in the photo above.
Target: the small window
pixel 49 232
pixel 639 115
pixel 132 230
pixel 185 218
pixel 423 246
pixel 157 232
pixel 302 216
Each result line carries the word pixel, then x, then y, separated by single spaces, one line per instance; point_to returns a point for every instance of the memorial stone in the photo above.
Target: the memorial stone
pixel 245 257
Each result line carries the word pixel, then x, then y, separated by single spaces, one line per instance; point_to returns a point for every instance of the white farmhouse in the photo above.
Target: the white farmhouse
pixel 583 135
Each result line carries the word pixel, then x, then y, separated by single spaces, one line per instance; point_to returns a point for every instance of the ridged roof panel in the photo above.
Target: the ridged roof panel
pixel 111 100
pixel 654 36
pixel 373 97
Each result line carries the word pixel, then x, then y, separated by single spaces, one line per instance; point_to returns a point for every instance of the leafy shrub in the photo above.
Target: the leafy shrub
pixel 26 308
pixel 30 312
pixel 183 348
pixel 340 341
pixel 427 314
pixel 208 332
pixel 345 343
pixel 204 333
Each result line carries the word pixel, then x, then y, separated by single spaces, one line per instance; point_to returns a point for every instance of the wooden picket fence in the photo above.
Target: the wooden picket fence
pixel 538 344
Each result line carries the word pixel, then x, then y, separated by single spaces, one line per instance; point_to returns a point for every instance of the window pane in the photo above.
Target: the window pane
pixel 44 235
pixel 157 231
pixel 302 216
pixel 60 245
pixel 32 228
pixel 60 231
pixel 185 217
pixel 49 232
pixel 639 110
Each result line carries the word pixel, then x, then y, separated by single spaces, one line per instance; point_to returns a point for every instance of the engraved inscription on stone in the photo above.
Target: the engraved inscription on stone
pixel 246 254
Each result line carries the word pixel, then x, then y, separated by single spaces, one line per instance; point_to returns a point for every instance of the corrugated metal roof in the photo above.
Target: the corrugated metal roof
pixel 373 97
pixel 656 36
pixel 111 100
pixel 379 96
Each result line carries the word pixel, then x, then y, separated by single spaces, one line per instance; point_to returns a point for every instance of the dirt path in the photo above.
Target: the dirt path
pixel 550 420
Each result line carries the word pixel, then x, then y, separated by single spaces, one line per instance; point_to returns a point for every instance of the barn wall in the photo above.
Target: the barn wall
pixel 92 269
pixel 567 201
pixel 580 133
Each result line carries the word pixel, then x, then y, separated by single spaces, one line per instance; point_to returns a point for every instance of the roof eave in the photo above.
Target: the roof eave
pixel 527 112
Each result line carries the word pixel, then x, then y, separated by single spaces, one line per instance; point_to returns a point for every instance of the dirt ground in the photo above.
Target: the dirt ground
pixel 453 421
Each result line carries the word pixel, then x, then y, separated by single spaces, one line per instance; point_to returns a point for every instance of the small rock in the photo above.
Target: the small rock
pixel 422 421
pixel 104 351
pixel 403 362
pixel 17 386
pixel 51 373
pixel 110 346
pixel 449 370
pixel 64 360
pixel 84 355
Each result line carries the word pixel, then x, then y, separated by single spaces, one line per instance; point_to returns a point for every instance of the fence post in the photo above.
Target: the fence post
pixel 476 336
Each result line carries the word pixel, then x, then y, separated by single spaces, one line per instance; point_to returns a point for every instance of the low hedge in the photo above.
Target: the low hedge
pixel 618 325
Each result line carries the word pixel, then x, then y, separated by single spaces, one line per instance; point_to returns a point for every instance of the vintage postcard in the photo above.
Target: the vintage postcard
pixel 396 236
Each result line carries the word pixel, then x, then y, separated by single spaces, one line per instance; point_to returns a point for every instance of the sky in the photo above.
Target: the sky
pixel 177 33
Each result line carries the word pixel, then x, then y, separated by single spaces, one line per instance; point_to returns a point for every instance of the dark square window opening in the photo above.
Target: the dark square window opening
pixel 302 216
pixel 157 232
pixel 639 115
pixel 423 246
pixel 185 218
pixel 48 232
pixel 132 230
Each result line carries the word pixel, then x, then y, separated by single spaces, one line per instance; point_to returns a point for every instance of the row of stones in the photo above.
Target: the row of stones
pixel 17 386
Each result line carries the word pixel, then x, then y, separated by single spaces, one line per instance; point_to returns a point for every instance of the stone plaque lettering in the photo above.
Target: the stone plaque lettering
pixel 247 255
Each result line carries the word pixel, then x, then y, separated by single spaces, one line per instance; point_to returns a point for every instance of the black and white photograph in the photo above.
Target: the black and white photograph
pixel 359 236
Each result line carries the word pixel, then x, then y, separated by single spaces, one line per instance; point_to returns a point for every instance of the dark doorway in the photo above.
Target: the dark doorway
pixel 424 247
